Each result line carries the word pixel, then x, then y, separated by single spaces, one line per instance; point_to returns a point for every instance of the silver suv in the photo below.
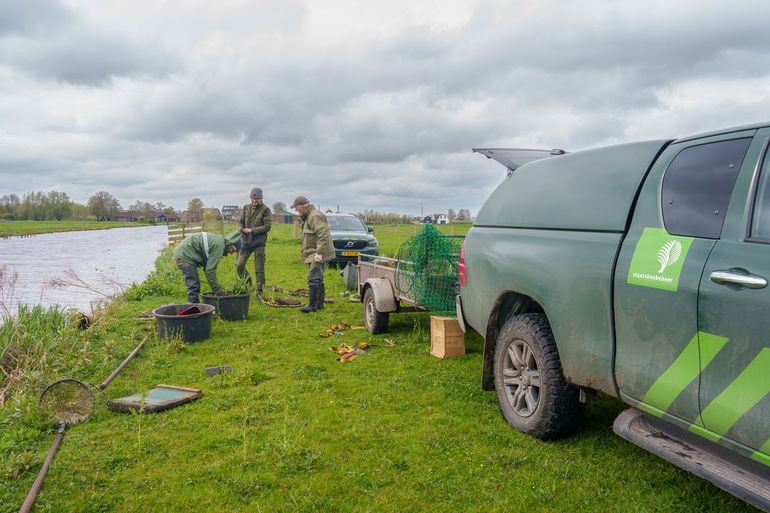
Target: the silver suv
pixel 351 237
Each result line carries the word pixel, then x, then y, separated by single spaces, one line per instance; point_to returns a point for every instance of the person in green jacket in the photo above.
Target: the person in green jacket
pixel 317 248
pixel 255 222
pixel 205 250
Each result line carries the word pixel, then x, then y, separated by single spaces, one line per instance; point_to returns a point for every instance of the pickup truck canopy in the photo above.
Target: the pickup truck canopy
pixel 572 192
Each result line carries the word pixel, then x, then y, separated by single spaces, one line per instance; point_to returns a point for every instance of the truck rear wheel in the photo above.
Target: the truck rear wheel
pixel 374 320
pixel 533 395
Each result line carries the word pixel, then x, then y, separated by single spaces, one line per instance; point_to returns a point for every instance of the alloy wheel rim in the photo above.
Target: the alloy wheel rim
pixel 521 378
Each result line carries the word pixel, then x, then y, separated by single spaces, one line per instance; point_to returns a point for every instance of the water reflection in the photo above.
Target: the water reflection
pixel 106 261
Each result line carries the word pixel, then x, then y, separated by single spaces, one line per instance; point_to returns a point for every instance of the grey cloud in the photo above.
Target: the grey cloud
pixel 47 40
pixel 32 17
pixel 88 58
pixel 388 125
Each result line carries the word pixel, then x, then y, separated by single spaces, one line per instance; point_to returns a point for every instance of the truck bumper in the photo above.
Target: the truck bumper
pixel 459 310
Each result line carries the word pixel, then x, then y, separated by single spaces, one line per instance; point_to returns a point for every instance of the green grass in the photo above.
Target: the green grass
pixel 291 429
pixel 15 228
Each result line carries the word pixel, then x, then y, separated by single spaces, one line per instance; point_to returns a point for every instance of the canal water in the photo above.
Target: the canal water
pixel 76 269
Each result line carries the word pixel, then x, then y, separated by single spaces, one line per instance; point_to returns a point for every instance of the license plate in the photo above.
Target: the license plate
pixel 350 253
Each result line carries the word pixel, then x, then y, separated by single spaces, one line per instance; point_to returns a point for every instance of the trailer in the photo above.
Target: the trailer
pixel 387 285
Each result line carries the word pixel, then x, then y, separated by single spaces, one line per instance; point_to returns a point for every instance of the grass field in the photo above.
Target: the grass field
pixel 15 228
pixel 291 429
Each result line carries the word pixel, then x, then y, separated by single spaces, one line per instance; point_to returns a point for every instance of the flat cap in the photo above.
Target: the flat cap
pixel 299 200
pixel 256 192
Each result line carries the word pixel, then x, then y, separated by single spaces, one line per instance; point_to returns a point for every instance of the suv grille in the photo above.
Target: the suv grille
pixel 349 244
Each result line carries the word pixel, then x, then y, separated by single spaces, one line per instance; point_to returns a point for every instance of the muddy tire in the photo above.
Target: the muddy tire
pixel 374 320
pixel 533 395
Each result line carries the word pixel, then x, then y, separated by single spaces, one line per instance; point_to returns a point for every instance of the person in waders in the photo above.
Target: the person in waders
pixel 255 222
pixel 204 249
pixel 317 249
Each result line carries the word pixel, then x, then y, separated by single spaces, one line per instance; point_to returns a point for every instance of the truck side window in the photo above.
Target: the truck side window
pixel 760 219
pixel 697 187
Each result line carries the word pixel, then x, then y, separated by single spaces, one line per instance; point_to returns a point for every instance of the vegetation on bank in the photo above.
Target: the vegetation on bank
pixel 292 429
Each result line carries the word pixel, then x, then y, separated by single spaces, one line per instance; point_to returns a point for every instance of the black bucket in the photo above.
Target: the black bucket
pixel 229 308
pixel 191 327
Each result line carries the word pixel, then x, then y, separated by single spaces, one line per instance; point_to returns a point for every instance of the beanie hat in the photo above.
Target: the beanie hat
pixel 256 192
pixel 233 239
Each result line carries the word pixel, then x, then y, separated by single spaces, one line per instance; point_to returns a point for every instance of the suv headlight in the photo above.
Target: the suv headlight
pixel 372 243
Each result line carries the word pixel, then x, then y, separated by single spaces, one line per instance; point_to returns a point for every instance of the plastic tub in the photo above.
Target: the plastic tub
pixel 229 308
pixel 191 328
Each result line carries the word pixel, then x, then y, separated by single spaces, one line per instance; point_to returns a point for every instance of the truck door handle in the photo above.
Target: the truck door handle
pixel 750 281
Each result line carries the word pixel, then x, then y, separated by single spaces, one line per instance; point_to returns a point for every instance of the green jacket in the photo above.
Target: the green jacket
pixel 193 251
pixel 259 220
pixel 316 237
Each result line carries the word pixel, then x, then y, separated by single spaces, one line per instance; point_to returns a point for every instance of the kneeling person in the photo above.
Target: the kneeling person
pixel 205 250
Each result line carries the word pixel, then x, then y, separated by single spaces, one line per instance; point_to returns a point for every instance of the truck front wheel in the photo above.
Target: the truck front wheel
pixel 534 397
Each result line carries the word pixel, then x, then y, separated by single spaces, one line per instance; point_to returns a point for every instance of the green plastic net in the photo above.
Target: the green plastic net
pixel 427 269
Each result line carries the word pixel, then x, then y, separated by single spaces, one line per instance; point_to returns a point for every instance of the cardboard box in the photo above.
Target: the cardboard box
pixel 446 337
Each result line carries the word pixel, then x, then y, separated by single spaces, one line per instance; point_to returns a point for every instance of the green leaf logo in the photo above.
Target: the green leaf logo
pixel 658 259
pixel 669 254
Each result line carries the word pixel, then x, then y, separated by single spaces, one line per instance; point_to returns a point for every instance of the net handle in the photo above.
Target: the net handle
pixel 38 484
pixel 120 367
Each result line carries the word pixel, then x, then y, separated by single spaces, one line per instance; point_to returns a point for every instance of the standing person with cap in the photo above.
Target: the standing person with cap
pixel 205 250
pixel 255 222
pixel 317 248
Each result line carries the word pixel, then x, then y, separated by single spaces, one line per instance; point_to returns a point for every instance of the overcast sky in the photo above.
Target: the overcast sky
pixel 362 104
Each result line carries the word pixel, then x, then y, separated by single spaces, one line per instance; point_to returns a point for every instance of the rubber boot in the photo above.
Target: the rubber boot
pixel 312 298
pixel 319 303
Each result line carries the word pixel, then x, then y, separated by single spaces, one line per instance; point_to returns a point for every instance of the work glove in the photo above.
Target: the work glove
pixel 318 258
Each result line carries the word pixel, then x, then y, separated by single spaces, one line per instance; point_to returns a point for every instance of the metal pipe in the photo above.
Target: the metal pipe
pixel 122 365
pixel 38 484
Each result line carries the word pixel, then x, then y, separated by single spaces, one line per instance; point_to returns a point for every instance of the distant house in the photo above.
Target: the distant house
pixel 283 217
pixel 127 215
pixel 436 219
pixel 162 217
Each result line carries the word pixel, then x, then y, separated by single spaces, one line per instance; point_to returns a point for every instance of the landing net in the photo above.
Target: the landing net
pixel 427 269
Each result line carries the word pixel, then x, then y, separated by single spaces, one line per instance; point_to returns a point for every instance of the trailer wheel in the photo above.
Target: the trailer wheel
pixel 533 395
pixel 374 320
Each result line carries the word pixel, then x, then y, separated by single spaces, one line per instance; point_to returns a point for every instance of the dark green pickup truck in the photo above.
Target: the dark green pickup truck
pixel 638 270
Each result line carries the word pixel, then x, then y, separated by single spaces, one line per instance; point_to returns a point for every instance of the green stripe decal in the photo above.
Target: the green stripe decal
pixel 740 396
pixel 763 454
pixel 683 371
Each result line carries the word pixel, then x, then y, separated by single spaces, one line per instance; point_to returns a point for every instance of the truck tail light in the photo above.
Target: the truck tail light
pixel 462 275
